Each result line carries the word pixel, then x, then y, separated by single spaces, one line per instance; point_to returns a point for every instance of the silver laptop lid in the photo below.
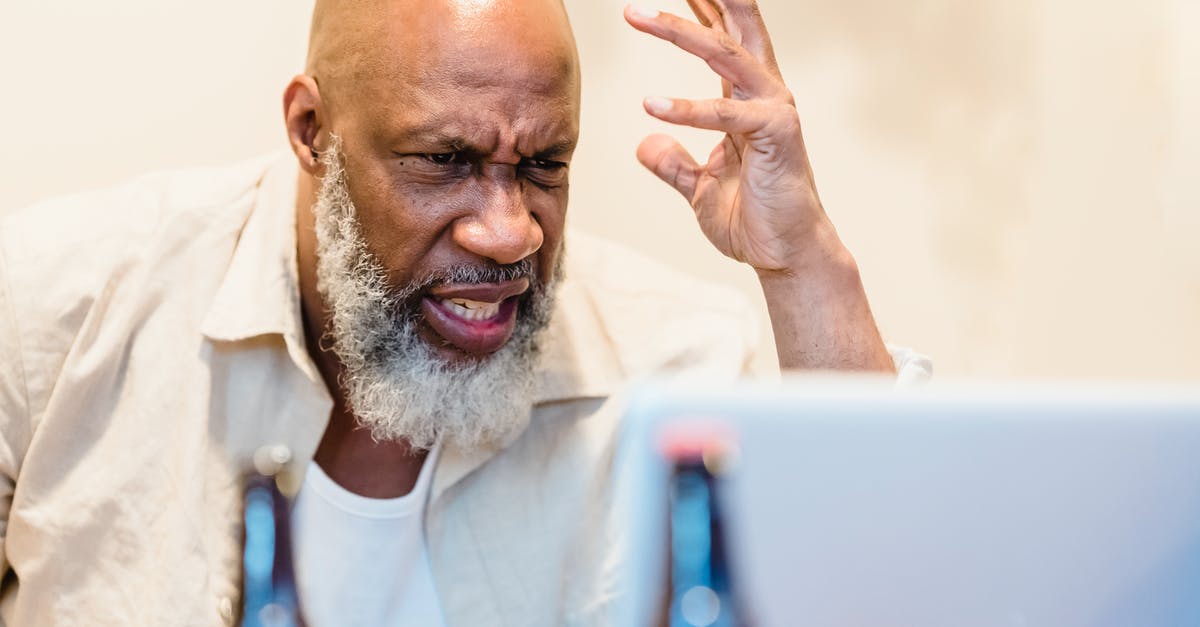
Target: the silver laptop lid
pixel 854 504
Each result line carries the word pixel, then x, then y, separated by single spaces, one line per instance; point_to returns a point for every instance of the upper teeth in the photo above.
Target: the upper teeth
pixel 471 309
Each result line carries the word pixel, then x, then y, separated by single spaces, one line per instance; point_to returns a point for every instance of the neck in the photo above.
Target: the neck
pixel 346 452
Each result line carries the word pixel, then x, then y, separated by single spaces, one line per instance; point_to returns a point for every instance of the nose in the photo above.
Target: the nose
pixel 502 228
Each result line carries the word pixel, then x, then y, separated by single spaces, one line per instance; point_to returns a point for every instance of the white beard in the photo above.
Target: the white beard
pixel 394 382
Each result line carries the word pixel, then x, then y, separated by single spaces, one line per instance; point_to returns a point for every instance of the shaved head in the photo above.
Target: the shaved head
pixel 400 80
pixel 358 47
pixel 442 133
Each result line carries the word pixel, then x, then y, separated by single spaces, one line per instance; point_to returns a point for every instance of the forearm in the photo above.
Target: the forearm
pixel 755 198
pixel 820 314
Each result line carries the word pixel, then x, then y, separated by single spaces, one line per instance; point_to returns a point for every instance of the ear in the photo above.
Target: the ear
pixel 304 116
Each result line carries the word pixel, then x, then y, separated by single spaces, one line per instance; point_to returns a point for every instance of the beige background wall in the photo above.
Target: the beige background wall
pixel 1019 179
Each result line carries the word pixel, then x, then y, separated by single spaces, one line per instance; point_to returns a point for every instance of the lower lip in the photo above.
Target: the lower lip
pixel 475 337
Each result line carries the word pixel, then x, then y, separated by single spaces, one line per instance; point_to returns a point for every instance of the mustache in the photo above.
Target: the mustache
pixel 466 274
pixel 493 273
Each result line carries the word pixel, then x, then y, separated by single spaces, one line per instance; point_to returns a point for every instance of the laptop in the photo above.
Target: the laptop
pixel 847 502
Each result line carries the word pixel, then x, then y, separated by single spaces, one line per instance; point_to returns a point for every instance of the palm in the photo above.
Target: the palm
pixel 754 197
pixel 746 210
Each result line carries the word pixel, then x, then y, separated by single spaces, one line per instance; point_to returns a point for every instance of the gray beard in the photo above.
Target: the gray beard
pixel 394 382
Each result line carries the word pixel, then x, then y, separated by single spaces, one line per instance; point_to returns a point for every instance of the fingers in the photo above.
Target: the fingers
pixel 744 20
pixel 707 13
pixel 722 53
pixel 753 119
pixel 670 162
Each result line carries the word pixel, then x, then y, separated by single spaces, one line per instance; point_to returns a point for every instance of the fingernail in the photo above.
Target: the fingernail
pixel 658 104
pixel 643 12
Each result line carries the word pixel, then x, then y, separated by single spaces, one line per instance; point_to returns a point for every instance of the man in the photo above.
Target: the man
pixel 390 303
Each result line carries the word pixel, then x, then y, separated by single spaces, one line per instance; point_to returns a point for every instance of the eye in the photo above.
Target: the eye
pixel 544 164
pixel 545 172
pixel 445 158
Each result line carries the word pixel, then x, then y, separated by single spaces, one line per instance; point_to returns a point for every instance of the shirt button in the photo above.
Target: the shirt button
pixel 225 608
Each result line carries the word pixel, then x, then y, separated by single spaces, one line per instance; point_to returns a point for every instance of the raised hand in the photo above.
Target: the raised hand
pixel 755 198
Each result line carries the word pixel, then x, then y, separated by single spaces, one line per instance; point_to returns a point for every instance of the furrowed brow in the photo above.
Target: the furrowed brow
pixel 556 150
pixel 433 135
pixel 454 143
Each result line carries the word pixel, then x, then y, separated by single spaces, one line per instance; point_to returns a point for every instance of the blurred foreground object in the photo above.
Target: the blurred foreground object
pixel 701 591
pixel 851 502
pixel 269 586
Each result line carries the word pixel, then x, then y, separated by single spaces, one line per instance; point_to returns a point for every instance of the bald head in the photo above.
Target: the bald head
pixel 359 47
pixel 453 124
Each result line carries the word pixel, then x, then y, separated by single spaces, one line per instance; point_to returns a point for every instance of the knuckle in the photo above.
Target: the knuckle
pixel 724 110
pixel 783 97
pixel 789 119
pixel 728 46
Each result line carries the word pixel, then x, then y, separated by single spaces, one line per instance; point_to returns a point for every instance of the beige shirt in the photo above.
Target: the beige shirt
pixel 151 340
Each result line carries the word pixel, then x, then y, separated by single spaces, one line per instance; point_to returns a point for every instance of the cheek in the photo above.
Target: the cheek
pixel 549 209
pixel 548 206
pixel 400 224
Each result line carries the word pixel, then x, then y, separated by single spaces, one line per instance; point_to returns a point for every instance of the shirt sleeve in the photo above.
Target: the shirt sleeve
pixel 14 407
pixel 912 368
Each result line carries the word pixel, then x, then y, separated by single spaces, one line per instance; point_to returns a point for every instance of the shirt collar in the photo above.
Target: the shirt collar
pixel 260 293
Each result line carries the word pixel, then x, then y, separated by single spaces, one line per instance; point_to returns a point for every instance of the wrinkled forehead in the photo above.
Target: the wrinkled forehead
pixel 419 47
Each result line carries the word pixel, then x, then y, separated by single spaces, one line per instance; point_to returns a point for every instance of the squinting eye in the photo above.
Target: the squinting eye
pixel 543 164
pixel 445 158
pixel 545 173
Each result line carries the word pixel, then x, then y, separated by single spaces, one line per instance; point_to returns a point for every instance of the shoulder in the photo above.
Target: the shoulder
pixel 659 319
pixel 121 220
pixel 68 258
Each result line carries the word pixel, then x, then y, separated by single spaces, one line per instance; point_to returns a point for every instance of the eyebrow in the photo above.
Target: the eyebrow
pixel 457 143
pixel 556 149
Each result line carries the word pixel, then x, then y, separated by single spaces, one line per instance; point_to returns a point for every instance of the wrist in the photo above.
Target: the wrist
pixel 821 318
pixel 823 259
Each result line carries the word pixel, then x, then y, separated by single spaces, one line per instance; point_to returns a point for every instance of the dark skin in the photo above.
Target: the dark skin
pixel 457 120
pixel 454 154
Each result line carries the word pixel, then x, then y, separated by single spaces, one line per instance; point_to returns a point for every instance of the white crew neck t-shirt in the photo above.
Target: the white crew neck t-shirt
pixel 362 561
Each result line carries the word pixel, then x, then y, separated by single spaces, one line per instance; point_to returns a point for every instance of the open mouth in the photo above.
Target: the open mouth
pixel 477 319
pixel 471 310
